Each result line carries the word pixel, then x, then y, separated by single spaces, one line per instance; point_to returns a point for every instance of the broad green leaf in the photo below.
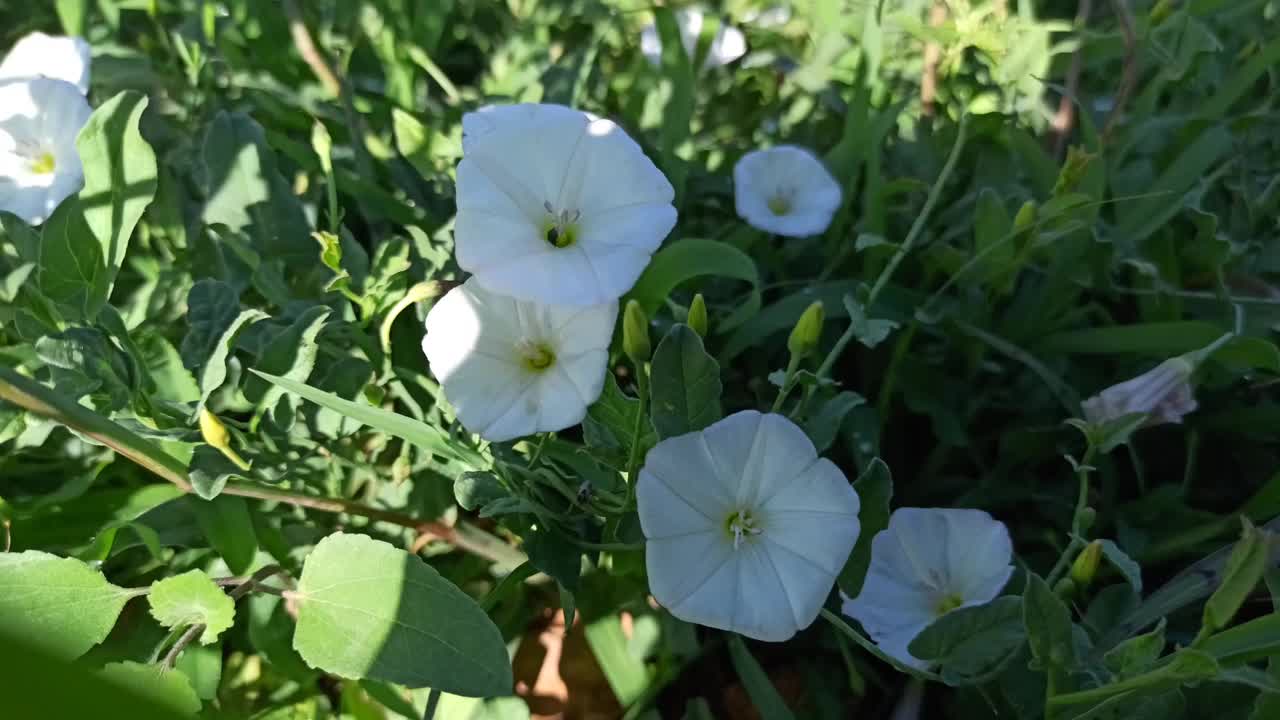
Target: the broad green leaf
pixel 870 332
pixel 1137 654
pixel 875 491
pixel 615 419
pixel 1131 571
pixel 825 424
pixel 119 177
pixel 689 258
pixel 290 354
pixel 1165 339
pixel 228 526
pixel 1245 566
pixel 972 641
pixel 391 423
pixel 84 361
pixel 209 471
pixel 192 598
pixel 203 667
pixel 560 559
pixel 214 318
pixel 247 194
pixel 465 708
pixel 163 688
pixel 1143 218
pixel 474 489
pixel 625 673
pixel 1048 625
pixel 764 696
pixel 369 610
pixel 685 384
pixel 58 603
pixel 72 269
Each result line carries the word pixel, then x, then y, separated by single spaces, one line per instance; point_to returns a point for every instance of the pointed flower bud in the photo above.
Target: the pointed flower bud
pixel 1086 564
pixel 1026 216
pixel 216 435
pixel 805 335
pixel 635 333
pixel 698 315
pixel 1163 393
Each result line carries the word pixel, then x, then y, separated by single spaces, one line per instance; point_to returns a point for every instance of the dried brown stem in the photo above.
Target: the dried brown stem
pixel 1064 119
pixel 310 53
pixel 932 56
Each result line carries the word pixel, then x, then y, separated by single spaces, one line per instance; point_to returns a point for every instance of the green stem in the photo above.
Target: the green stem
pixel 36 398
pixel 917 227
pixel 788 379
pixel 633 456
pixel 1077 519
pixel 824 370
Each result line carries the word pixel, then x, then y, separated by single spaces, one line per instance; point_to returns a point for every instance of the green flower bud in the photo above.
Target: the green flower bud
pixel 216 435
pixel 323 145
pixel 1087 518
pixel 1026 216
pixel 1072 171
pixel 1086 564
pixel 1160 12
pixel 1065 588
pixel 635 333
pixel 808 330
pixel 698 315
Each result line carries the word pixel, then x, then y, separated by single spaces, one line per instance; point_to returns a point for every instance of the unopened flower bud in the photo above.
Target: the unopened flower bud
pixel 635 333
pixel 1072 171
pixel 216 435
pixel 1026 216
pixel 808 330
pixel 1086 564
pixel 1087 517
pixel 1163 393
pixel 1160 12
pixel 322 143
pixel 1065 588
pixel 698 315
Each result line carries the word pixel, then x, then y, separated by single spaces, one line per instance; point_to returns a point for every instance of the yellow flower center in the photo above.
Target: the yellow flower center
pixel 780 204
pixel 741 525
pixel 535 356
pixel 560 229
pixel 44 164
pixel 949 603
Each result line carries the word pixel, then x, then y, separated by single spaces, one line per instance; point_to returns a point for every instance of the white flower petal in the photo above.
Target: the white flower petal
pixel 534 174
pixel 478 345
pixel 733 543
pixel 789 175
pixel 728 45
pixel 39 121
pixel 55 57
pixel 928 562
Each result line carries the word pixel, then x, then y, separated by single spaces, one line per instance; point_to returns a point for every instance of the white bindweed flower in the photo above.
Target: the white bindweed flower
pixel 556 205
pixel 1164 393
pixel 746 526
pixel 728 44
pixel 49 56
pixel 513 368
pixel 39 164
pixel 928 562
pixel 785 190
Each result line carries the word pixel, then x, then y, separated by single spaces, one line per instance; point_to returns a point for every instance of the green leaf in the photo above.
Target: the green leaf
pixel 1165 339
pixel 475 489
pixel 391 423
pixel 1131 571
pixel 214 318
pixel 58 603
pixel 1247 563
pixel 685 384
pixel 228 527
pixel 869 332
pixel 1246 642
pixel 1048 624
pixel 247 194
pixel 83 361
pixel 368 609
pixel 613 419
pixel 119 177
pixel 825 424
pixel 875 490
pixel 689 258
pixel 1137 654
pixel 72 270
pixel 626 674
pixel 203 668
pixel 764 696
pixel 192 598
pixel 1164 197
pixel 160 687
pixel 290 354
pixel 209 471
pixel 972 641
pixel 555 556
pixel 678 86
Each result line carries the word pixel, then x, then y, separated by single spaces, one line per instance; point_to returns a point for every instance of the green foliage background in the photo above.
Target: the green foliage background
pixel 1043 269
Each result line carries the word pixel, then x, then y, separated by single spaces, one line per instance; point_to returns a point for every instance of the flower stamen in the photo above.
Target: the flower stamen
pixel 535 356
pixel 948 603
pixel 560 229
pixel 742 525
pixel 44 164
